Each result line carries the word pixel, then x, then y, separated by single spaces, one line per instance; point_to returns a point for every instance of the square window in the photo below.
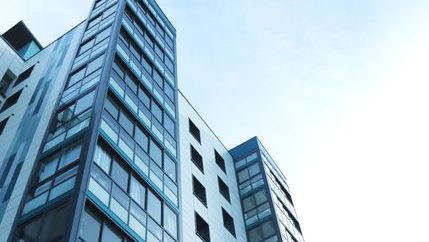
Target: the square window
pixel 6 81
pixel 202 228
pixel 10 101
pixel 194 131
pixel 3 124
pixel 228 222
pixel 23 76
pixel 197 159
pixel 76 77
pixel 223 189
pixel 199 190
pixel 220 161
pixel 95 65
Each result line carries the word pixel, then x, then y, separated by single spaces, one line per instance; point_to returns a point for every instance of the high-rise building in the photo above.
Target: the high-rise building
pixel 98 144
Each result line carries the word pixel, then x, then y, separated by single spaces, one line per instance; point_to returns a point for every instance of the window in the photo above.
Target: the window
pixel 76 76
pixel 94 227
pixel 141 138
pixel 154 206
pixel 46 227
pixel 120 175
pixel 223 189
pixel 156 111
pixel 110 235
pixel 90 227
pixel 6 81
pixel 111 107
pixel 170 221
pixel 10 101
pixel 228 222
pixel 84 102
pixel 23 76
pixel 155 153
pixel 70 155
pixel 202 228
pixel 137 192
pixel 261 232
pixel 95 64
pixel 169 63
pixel 125 122
pixel 248 172
pixel 255 199
pixel 169 167
pixel 194 131
pixel 169 91
pixel 169 125
pixel 199 190
pixel 220 161
pixel 197 159
pixel 157 77
pixel 102 159
pixel 3 124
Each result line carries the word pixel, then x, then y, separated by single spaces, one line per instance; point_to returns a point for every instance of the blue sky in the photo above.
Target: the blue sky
pixel 336 90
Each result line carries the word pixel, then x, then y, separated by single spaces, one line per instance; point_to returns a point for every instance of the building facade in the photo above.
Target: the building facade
pixel 98 144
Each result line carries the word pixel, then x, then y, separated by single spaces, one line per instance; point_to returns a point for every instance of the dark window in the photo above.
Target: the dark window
pixel 199 190
pixel 194 131
pixel 50 227
pixel 10 101
pixel 23 76
pixel 3 124
pixel 220 161
pixel 197 159
pixel 228 222
pixel 223 189
pixel 6 81
pixel 202 228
